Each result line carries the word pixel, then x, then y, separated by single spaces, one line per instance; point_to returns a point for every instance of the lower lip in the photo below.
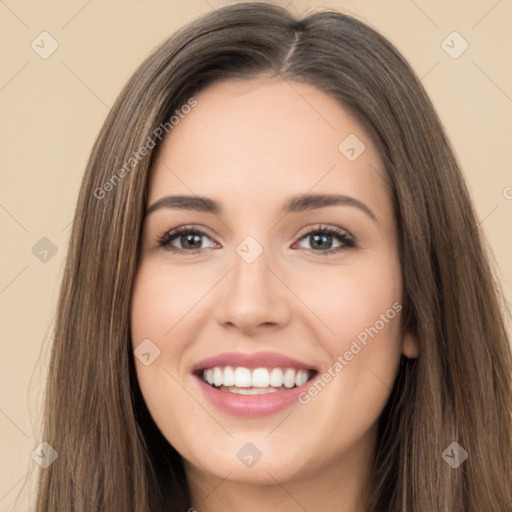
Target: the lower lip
pixel 251 405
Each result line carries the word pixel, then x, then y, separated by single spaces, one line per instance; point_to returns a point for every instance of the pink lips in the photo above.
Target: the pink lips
pixel 254 360
pixel 250 405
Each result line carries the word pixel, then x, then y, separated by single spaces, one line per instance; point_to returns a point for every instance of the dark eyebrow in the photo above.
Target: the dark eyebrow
pixel 197 203
pixel 294 204
pixel 312 201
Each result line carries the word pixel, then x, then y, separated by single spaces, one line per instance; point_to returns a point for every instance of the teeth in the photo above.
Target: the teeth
pixel 301 377
pixel 250 391
pixel 229 376
pixel 243 378
pixel 217 376
pixel 260 380
pixel 289 378
pixel 276 378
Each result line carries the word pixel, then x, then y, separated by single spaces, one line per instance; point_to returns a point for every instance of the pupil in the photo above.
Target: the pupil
pixel 190 239
pixel 316 240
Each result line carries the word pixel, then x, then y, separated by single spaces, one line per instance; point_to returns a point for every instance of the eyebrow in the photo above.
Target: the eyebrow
pixel 294 204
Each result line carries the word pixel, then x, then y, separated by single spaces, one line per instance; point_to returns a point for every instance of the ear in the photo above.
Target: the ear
pixel 410 345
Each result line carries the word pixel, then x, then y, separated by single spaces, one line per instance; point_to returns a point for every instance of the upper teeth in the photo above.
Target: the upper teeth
pixel 258 378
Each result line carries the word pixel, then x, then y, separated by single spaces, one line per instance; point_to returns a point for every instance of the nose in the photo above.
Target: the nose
pixel 253 298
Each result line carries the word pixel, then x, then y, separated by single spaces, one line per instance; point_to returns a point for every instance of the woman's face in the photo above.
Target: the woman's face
pixel 255 297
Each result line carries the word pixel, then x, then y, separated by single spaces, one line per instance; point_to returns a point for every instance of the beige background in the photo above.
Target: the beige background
pixel 53 108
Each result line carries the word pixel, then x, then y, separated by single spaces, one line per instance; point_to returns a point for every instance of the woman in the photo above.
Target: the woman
pixel 371 376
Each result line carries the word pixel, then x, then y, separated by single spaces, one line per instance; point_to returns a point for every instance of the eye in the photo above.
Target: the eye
pixel 323 237
pixel 189 239
pixel 322 240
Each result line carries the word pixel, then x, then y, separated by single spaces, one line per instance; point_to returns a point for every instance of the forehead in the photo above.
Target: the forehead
pixel 270 136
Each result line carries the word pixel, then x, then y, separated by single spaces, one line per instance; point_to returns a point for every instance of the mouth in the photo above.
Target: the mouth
pixel 252 384
pixel 258 381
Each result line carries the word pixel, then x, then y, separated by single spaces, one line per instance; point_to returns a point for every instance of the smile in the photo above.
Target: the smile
pixel 252 384
pixel 258 381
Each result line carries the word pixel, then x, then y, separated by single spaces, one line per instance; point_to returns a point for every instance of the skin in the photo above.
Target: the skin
pixel 250 145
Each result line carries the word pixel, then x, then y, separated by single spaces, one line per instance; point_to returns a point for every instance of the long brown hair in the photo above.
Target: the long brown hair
pixel 112 457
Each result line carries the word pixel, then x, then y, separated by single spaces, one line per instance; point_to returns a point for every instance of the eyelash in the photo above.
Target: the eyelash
pixel 347 241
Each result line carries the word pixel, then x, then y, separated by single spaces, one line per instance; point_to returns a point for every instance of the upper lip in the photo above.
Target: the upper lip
pixel 252 360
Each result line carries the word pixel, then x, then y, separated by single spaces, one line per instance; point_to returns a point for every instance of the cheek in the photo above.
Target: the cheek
pixel 161 298
pixel 158 308
pixel 347 301
pixel 360 310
